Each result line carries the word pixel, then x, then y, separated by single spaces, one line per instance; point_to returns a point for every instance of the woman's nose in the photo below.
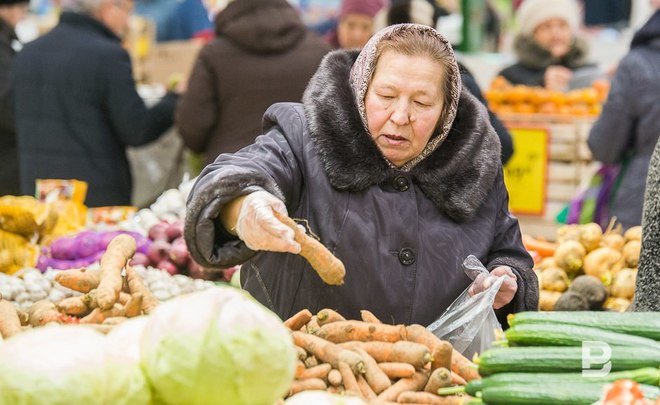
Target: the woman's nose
pixel 400 115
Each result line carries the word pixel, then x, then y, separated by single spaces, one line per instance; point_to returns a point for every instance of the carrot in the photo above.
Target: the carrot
pixel 543 248
pixel 463 367
pixel 300 368
pixel 133 307
pixel 327 316
pixel 311 361
pixel 335 390
pixel 400 352
pixel 368 317
pixel 321 371
pixel 81 280
pixel 73 306
pixel 414 383
pixel 328 352
pixel 304 329
pixel 459 364
pixel 347 376
pixel 119 252
pixel 313 326
pixel 376 378
pixel 366 390
pixel 440 378
pixel 344 331
pixel 298 320
pixel 23 316
pixel 329 268
pixel 43 312
pixel 310 384
pixel 397 370
pixel 124 298
pixel 457 379
pixel 410 397
pixel 115 320
pixel 10 323
pixel 302 354
pixel 334 378
pixel 442 354
pixel 136 286
pixel 98 315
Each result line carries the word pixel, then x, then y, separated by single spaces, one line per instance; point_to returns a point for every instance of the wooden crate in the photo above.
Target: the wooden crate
pixel 569 166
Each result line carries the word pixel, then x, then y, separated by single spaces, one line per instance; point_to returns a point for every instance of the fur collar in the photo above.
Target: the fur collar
pixel 456 176
pixel 531 54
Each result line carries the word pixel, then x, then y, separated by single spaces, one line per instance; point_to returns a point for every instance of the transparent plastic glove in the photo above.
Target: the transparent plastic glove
pixel 507 290
pixel 259 229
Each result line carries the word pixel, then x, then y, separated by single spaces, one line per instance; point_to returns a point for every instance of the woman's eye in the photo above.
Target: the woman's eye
pixel 385 96
pixel 419 103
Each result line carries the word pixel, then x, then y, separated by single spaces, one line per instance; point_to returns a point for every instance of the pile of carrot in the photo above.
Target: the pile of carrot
pixel 378 362
pixel 109 297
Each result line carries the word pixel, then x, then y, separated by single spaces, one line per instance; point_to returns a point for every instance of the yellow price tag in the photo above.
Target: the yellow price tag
pixel 525 175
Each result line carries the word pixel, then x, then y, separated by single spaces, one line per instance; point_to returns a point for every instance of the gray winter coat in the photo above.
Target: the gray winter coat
pixel 629 125
pixel 401 235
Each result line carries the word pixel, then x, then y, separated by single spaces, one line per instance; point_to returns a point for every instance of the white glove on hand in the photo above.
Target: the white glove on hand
pixel 258 227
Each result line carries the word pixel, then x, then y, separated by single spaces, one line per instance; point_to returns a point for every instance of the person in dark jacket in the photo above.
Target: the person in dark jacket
pixel 262 54
pixel 629 127
pixel 547 45
pixel 11 12
pixel 393 167
pixel 77 107
pixel 422 12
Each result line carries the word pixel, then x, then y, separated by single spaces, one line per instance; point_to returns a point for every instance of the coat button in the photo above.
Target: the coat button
pixel 406 256
pixel 401 183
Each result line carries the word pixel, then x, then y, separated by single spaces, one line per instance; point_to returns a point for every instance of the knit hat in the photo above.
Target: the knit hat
pixel 533 12
pixel 366 7
pixel 12 2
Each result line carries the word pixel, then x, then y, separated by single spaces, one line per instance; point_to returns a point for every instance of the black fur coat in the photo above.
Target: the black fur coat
pixel 401 235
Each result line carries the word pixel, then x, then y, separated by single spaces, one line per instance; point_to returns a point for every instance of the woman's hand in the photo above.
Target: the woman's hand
pixel 557 78
pixel 257 226
pixel 507 290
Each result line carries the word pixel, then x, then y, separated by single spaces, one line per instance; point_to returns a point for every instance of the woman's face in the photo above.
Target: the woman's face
pixel 554 35
pixel 354 30
pixel 403 104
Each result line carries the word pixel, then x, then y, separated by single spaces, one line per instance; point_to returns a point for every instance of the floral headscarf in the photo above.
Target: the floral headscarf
pixel 365 65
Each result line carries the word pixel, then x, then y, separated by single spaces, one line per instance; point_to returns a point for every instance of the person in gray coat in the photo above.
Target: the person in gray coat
pixel 629 126
pixel 648 271
pixel 394 166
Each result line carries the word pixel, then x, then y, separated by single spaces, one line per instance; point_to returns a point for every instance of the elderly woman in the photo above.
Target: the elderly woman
pixel 546 45
pixel 397 171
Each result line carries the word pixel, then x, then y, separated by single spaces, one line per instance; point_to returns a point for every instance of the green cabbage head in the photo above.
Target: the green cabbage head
pixel 218 346
pixel 62 365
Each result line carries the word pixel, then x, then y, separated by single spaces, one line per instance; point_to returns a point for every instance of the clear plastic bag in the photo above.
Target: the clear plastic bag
pixel 469 323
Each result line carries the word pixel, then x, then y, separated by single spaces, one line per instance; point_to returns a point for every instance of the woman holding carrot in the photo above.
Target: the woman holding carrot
pixel 397 172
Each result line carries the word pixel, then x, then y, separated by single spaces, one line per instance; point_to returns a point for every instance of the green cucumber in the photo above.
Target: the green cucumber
pixel 566 394
pixel 545 334
pixel 645 324
pixel 542 359
pixel 648 376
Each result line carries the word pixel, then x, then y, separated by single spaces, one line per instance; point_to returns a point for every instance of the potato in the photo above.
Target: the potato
pixel 623 284
pixel 554 279
pixel 570 255
pixel 634 233
pixel 590 236
pixel 631 252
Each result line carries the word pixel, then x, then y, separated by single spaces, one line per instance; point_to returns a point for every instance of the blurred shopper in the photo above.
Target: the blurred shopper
pixel 77 107
pixel 355 24
pixel 262 54
pixel 547 46
pixel 11 12
pixel 422 12
pixel 176 19
pixel 629 126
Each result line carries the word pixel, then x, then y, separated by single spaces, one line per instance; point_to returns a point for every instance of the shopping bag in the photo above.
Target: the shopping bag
pixel 470 323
